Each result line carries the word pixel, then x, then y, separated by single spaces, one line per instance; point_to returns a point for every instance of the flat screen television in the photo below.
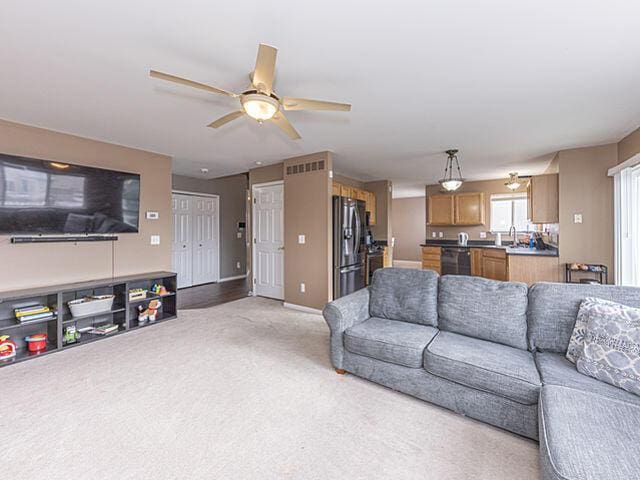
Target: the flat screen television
pixel 49 197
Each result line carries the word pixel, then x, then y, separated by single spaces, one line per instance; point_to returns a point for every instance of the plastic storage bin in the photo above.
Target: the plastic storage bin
pixel 91 305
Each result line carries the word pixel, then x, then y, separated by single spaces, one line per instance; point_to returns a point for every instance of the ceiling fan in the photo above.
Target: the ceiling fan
pixel 259 101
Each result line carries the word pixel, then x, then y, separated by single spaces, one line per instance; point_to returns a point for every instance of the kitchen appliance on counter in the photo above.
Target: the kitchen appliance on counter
pixel 463 239
pixel 349 246
pixel 455 261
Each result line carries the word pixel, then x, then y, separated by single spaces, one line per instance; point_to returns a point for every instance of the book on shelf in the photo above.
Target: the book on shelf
pixel 105 329
pixel 31 310
pixel 34 317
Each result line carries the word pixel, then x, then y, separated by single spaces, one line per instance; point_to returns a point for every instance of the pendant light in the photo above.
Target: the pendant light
pixel 450 182
pixel 514 182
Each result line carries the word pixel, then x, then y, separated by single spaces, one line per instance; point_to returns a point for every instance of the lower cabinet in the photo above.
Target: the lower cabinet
pixel 476 262
pixel 431 259
pixel 495 265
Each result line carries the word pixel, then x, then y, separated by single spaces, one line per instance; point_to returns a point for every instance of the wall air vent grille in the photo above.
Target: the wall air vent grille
pixel 305 167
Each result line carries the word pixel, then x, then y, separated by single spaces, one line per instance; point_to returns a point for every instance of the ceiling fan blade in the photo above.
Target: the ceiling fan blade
pixel 265 70
pixel 229 117
pixel 292 103
pixel 281 121
pixel 189 83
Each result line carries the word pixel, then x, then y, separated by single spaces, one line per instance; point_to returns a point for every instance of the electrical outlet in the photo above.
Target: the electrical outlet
pixel 303 288
pixel 301 239
pixel 483 234
pixel 238 265
pixel 239 234
pixel 440 234
pixel 152 215
pixel 434 234
pixel 155 239
pixel 577 218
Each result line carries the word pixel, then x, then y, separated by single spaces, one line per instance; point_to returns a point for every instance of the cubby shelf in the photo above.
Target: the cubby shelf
pixel 123 313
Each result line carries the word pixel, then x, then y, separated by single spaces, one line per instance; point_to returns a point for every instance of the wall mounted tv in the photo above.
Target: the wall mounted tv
pixel 49 197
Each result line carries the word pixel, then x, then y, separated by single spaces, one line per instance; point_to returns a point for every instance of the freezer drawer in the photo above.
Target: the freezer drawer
pixel 348 280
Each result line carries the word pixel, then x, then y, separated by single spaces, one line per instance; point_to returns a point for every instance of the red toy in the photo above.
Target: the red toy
pixel 7 348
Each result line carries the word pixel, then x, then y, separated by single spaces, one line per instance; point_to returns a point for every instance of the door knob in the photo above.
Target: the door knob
pixel 281 248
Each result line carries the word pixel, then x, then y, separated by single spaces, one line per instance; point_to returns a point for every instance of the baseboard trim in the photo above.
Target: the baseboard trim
pixel 302 308
pixel 407 264
pixel 228 279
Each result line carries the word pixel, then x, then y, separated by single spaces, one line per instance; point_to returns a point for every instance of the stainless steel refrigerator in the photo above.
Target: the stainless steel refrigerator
pixel 349 250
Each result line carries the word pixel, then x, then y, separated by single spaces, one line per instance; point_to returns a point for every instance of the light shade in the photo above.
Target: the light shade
pixel 260 107
pixel 514 182
pixel 451 185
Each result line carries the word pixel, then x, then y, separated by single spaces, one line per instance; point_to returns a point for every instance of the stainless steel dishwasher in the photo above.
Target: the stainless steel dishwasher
pixel 456 261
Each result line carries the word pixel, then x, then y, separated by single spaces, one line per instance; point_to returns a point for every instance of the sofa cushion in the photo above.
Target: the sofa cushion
pixel 586 436
pixel 487 366
pixel 553 308
pixel 390 340
pixel 485 309
pixel 405 294
pixel 555 369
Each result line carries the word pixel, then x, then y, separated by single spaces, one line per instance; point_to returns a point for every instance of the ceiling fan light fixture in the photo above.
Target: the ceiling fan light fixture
pixel 260 107
pixel 514 182
pixel 450 182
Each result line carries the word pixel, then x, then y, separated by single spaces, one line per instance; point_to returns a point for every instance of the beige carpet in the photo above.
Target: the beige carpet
pixel 239 391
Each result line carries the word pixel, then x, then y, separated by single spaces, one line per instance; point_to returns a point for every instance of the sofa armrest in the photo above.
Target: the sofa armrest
pixel 342 314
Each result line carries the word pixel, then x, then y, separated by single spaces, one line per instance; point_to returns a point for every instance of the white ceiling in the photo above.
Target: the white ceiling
pixel 507 82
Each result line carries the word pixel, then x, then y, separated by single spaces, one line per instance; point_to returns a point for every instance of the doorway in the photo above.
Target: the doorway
pixel 195 249
pixel 268 240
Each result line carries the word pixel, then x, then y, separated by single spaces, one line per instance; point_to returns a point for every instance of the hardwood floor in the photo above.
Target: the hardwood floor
pixel 210 294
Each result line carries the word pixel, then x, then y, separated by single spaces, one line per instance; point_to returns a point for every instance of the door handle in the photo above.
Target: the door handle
pixel 281 248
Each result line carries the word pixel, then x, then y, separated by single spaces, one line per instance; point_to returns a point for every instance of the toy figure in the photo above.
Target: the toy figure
pixel 7 348
pixel 70 335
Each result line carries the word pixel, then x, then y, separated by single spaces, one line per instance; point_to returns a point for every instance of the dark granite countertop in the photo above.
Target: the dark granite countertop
pixel 522 250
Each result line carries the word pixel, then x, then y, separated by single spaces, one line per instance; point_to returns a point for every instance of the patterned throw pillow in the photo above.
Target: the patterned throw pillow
pixel 611 345
pixel 576 343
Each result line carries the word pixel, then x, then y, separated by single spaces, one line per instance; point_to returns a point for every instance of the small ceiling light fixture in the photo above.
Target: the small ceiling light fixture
pixel 514 182
pixel 204 170
pixel 450 182
pixel 260 107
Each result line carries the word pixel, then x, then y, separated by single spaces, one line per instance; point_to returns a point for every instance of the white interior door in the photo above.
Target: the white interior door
pixel 205 239
pixel 268 240
pixel 181 256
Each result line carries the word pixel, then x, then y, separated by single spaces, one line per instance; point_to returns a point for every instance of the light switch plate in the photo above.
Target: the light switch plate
pixel 152 215
pixel 239 234
pixel 303 288
pixel 155 239
pixel 440 234
pixel 483 234
pixel 434 234
pixel 301 239
pixel 238 265
pixel 577 218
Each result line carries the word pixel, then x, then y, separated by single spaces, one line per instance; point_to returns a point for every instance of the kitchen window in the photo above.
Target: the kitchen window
pixel 507 210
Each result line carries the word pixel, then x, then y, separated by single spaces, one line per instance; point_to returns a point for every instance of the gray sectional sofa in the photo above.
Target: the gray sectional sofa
pixel 493 351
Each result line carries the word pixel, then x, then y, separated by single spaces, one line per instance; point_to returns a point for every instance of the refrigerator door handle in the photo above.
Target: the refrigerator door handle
pixel 357 237
pixel 354 268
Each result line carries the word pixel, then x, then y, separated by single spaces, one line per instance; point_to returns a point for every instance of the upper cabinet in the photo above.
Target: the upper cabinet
pixel 469 208
pixel 542 199
pixel 456 209
pixel 369 198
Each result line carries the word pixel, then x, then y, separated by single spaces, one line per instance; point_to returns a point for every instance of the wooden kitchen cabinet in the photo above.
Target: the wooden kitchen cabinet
pixel 431 259
pixel 494 264
pixel 440 210
pixel 476 261
pixel 353 192
pixel 543 199
pixel 456 209
pixel 469 208
pixel 533 268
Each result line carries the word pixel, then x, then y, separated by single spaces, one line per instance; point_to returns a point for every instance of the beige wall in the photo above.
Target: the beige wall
pixel 629 146
pixel 488 187
pixel 351 182
pixel 268 173
pixel 408 219
pixel 233 209
pixel 307 211
pixel 30 265
pixel 585 188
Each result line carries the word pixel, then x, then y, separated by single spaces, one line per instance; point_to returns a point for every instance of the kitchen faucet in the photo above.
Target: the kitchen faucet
pixel 515 236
